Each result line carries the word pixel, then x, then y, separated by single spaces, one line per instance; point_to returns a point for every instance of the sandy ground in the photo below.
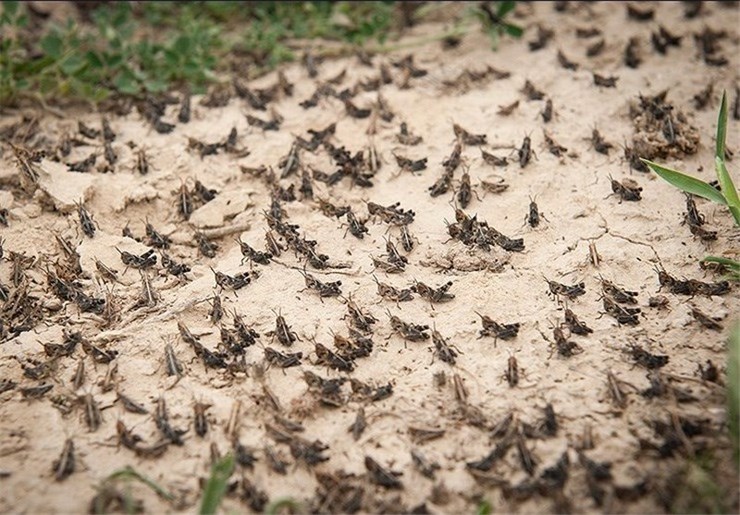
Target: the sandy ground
pixel 647 440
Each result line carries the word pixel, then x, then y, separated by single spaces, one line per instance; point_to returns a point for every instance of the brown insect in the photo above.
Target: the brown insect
pixel 273 247
pixel 423 465
pixel 547 111
pixel 86 221
pixel 628 189
pixel 92 415
pixel 618 294
pixel 553 147
pixel 705 320
pixel 201 420
pixel 632 57
pixel 110 155
pixel 645 358
pixel 381 476
pixel 599 144
pixel 565 347
pixel 87 131
pixel 445 351
pixel 512 372
pixel 389 292
pixel 493 160
pixel 493 328
pixel 575 325
pixel 146 260
pixel 106 272
pixel 658 301
pixel 619 398
pixel 205 246
pixel 161 420
pixel 184 201
pixel 433 295
pixel 623 315
pixel 410 165
pixel 355 227
pixel 468 138
pixel 330 289
pixel 596 48
pixel 183 115
pixel 282 330
pixel 565 62
pixel 531 92
pixel 130 405
pixel 408 331
pixel 605 82
pixel 526 458
pixel 404 137
pixel 710 373
pixel 544 35
pixel 525 152
pixel 172 364
pixel 354 111
pixel 327 357
pixel 64 466
pixel 265 125
pixel 508 109
pixel 571 292
pixel 291 359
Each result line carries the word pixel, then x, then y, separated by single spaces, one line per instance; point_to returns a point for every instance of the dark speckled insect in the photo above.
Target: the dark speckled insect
pixel 65 465
pixel 408 331
pixel 273 357
pixel 381 476
pixel 205 246
pixel 86 221
pixel 355 227
pixel 327 357
pixel 571 292
pixel 525 152
pixel 467 138
pixel 201 420
pixel 442 349
pixel 282 330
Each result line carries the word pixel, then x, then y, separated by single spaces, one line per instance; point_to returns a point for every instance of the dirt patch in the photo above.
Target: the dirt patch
pixel 550 356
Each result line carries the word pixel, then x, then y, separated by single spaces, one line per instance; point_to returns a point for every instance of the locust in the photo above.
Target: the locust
pixel 408 331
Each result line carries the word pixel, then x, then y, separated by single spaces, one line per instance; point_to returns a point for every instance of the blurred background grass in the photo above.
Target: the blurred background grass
pixel 94 50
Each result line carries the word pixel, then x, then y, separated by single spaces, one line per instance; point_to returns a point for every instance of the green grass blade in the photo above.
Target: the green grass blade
pixel 217 484
pixel 722 127
pixel 733 389
pixel 130 473
pixel 687 183
pixel 288 503
pixel 728 188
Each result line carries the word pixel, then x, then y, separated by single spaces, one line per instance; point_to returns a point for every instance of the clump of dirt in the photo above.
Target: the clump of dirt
pixel 661 131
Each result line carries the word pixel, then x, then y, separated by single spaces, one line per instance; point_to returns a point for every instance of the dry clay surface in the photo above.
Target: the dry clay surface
pixel 415 403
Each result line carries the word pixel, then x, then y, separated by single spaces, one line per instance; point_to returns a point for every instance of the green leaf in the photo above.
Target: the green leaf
pixel 94 60
pixel 722 127
pixel 182 45
pixel 484 508
pixel 52 45
pixel 513 30
pixel 72 64
pixel 733 389
pixel 728 188
pixel 725 181
pixel 129 473
pixel 505 8
pixel 126 82
pixel 216 485
pixel 687 183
